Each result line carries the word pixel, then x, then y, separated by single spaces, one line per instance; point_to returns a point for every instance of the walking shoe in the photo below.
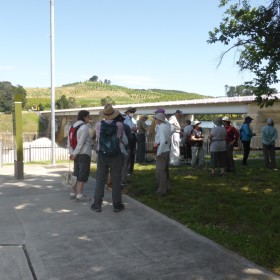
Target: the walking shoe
pixel 72 196
pixel 119 207
pixel 82 198
pixel 95 207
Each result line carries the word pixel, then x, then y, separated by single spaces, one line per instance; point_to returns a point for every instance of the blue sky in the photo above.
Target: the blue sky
pixel 134 43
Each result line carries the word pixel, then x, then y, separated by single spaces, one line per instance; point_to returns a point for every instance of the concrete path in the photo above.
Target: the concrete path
pixel 44 235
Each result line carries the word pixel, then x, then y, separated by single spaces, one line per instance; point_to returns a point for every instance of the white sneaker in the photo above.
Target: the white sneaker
pixel 82 198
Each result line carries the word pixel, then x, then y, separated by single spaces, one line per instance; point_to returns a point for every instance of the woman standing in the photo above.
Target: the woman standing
pixel 269 135
pixel 231 141
pixel 218 149
pixel 246 135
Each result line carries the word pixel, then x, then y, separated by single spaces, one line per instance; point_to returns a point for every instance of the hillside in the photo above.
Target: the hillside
pixel 89 94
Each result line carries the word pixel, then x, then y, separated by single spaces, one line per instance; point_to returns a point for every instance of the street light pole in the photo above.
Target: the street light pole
pixel 52 82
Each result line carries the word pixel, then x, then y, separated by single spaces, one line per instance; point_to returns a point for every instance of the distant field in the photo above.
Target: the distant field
pixel 89 94
pixel 30 122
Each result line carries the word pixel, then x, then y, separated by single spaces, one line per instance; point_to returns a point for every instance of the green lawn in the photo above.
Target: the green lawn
pixel 239 211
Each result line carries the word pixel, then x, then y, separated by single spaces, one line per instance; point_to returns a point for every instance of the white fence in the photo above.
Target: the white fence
pixel 31 153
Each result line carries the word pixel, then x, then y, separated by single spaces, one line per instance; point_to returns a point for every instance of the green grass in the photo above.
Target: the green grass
pixel 30 121
pixel 239 211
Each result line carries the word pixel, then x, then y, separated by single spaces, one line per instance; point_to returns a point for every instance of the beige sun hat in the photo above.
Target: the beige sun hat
pixel 225 119
pixel 159 116
pixel 108 113
pixel 195 123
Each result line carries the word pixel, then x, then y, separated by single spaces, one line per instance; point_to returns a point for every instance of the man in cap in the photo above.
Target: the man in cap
pixel 269 135
pixel 231 141
pixel 246 135
pixel 141 138
pixel 106 162
pixel 163 150
pixel 175 138
pixel 131 122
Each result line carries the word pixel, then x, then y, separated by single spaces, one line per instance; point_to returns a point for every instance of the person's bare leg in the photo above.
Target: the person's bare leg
pixel 80 186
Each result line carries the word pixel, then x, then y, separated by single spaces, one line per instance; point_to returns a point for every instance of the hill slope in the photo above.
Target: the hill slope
pixel 89 94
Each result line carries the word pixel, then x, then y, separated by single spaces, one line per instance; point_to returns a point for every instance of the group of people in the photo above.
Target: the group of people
pixel 168 138
pixel 113 165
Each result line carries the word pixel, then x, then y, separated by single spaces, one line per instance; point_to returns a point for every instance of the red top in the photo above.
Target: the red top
pixel 232 134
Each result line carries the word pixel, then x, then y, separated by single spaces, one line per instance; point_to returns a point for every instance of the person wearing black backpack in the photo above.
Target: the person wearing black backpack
pixel 108 136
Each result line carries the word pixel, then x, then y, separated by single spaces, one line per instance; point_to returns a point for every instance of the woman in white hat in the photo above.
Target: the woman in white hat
pixel 218 148
pixel 197 145
pixel 162 140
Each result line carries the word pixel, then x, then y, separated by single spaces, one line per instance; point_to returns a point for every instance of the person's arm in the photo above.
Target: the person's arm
pixel 161 141
pixel 236 135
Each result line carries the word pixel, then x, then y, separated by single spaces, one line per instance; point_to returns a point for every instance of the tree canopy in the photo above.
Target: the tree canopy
pixel 240 90
pixel 254 32
pixel 7 92
pixel 65 103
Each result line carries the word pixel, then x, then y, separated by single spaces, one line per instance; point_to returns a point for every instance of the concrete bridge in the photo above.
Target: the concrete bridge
pixel 244 105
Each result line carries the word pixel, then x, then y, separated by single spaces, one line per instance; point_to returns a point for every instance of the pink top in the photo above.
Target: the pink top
pixel 97 130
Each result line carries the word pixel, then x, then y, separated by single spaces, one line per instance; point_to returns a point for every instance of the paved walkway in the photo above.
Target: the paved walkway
pixel 44 235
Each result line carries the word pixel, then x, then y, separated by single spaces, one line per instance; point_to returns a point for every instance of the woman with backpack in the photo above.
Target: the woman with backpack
pixel 246 135
pixel 80 147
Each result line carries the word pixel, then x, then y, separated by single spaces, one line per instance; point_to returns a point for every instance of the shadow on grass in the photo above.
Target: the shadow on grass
pixel 241 211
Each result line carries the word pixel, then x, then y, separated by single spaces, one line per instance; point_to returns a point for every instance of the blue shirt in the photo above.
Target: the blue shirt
pixel 246 133
pixel 269 135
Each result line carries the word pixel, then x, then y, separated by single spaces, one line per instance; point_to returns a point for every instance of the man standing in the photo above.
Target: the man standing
pixel 80 151
pixel 108 161
pixel 246 135
pixel 187 140
pixel 175 138
pixel 131 122
pixel 231 140
pixel 163 150
pixel 141 139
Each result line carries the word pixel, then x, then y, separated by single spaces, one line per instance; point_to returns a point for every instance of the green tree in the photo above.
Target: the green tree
pixel 65 103
pixel 7 92
pixel 254 32
pixel 93 78
pixel 107 100
pixel 62 103
pixel 240 90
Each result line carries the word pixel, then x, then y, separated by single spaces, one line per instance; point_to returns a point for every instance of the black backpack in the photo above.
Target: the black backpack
pixel 108 140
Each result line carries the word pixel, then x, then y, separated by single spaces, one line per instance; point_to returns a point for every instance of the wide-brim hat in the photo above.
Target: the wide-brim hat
pixel 248 119
pixel 130 110
pixel 108 113
pixel 159 116
pixel 179 112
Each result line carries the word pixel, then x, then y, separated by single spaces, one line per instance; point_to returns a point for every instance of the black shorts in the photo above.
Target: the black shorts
pixel 82 167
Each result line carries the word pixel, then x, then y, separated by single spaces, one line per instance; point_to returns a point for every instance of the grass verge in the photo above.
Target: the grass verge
pixel 239 211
